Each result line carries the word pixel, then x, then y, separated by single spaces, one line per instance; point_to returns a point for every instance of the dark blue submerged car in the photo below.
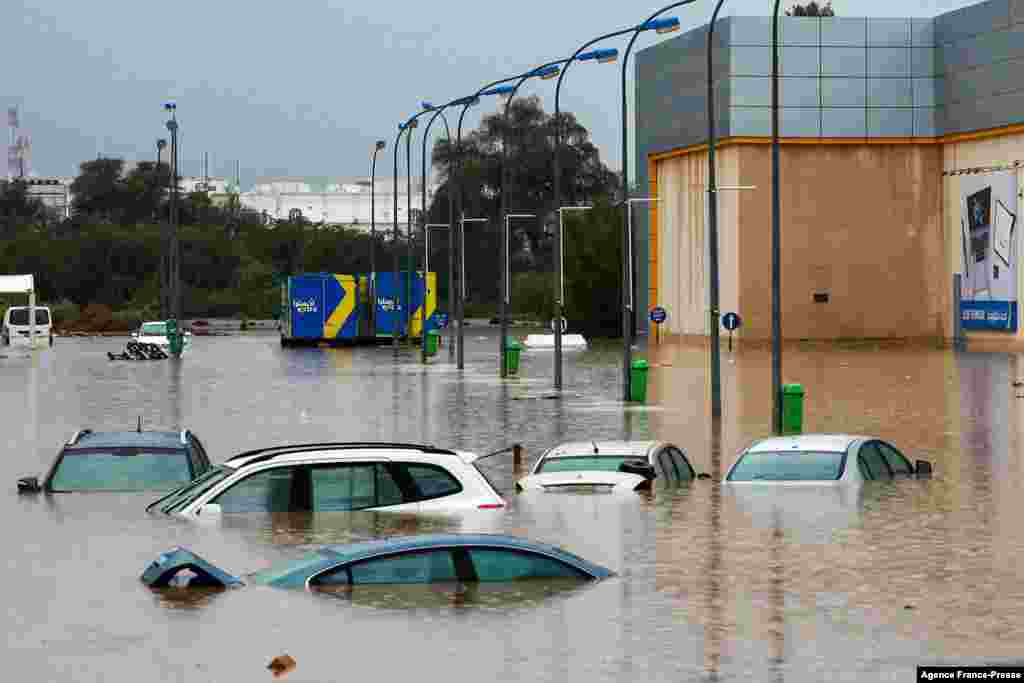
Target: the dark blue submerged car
pixel 122 461
pixel 431 558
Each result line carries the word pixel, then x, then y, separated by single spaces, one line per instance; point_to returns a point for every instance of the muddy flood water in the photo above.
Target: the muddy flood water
pixel 776 585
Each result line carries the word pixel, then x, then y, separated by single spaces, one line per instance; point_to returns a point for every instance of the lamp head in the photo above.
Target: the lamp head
pixel 170 106
pixel 667 25
pixel 161 143
pixel 601 56
pixel 413 123
pixel 427 106
pixel 547 73
pixel 500 90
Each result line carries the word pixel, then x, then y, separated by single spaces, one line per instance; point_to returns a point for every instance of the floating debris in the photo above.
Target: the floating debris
pixel 281 665
pixel 139 351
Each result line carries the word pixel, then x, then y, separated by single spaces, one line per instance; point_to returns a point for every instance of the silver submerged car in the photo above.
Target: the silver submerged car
pixel 607 467
pixel 823 459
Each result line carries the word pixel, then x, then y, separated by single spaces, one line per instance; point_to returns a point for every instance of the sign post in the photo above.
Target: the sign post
pixel 731 322
pixel 658 316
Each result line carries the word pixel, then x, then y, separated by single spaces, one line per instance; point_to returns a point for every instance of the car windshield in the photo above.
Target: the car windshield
pixel 120 470
pixel 584 463
pixel 154 329
pixel 788 466
pixel 19 316
pixel 179 498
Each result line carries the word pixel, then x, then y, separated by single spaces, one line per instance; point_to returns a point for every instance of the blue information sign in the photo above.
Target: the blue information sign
pixel 442 320
pixel 658 315
pixel 731 321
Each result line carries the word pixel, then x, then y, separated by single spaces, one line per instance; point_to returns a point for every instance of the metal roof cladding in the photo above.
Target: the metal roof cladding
pixel 128 440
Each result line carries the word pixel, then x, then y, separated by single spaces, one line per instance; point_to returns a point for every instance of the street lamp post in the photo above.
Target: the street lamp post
pixel 380 144
pixel 493 88
pixel 600 56
pixel 667 25
pixel 402 127
pixel 174 249
pixel 776 236
pixel 544 72
pixel 716 352
pixel 165 306
pixel 438 111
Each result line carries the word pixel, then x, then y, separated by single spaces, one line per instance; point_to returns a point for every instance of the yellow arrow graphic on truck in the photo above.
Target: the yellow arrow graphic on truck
pixel 333 325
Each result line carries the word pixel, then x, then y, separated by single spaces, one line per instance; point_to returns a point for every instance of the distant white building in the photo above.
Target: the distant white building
pixel 335 201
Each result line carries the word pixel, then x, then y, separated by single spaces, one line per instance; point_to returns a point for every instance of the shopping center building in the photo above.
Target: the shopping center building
pixel 902 165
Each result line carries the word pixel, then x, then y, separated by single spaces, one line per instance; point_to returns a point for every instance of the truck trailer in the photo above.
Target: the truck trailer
pixel 334 308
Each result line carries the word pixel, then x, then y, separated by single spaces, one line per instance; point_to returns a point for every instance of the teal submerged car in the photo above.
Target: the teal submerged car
pixel 431 558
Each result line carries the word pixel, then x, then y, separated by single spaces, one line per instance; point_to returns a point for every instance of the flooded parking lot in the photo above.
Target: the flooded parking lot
pixel 720 584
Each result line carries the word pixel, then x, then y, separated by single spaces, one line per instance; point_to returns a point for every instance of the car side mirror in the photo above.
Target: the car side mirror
pixel 923 469
pixel 703 475
pixel 210 510
pixel 29 485
pixel 641 467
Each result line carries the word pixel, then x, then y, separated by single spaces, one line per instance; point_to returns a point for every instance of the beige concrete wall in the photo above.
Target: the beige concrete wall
pixel 682 287
pixel 861 223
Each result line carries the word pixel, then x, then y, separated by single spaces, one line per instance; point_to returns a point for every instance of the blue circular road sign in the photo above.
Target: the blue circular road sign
pixel 731 321
pixel 442 320
pixel 658 315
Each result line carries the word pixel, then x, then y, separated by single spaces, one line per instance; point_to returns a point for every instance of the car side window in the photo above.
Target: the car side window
pixel 429 481
pixel 897 462
pixel 682 464
pixel 272 490
pixel 874 461
pixel 416 567
pixel 343 487
pixel 666 466
pixel 498 564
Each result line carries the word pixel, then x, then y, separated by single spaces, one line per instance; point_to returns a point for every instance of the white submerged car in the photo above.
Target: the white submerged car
pixel 607 467
pixel 336 477
pixel 817 459
pixel 155 332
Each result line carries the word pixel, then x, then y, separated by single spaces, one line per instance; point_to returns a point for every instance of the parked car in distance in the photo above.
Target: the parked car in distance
pixel 823 458
pixel 332 477
pixel 607 466
pixel 122 461
pixel 431 558
pixel 15 329
pixel 155 332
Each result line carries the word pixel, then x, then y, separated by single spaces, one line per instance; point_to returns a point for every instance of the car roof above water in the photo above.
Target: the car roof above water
pixel 356 551
pixel 829 443
pixel 638 449
pixel 340 451
pixel 127 440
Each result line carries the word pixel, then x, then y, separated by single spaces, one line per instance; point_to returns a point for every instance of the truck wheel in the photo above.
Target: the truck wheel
pixel 285 343
pixel 51 340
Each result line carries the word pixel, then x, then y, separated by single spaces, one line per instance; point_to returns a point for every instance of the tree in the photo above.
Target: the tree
pixel 811 9
pixel 530 137
pixel 17 208
pixel 99 190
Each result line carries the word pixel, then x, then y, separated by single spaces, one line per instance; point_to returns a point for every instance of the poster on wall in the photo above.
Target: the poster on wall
pixel 988 225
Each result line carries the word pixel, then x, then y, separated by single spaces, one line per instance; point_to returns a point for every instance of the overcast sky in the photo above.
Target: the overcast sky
pixel 303 87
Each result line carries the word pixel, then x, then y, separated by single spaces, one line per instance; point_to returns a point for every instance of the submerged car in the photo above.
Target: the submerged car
pixel 123 461
pixel 432 558
pixel 155 332
pixel 823 458
pixel 331 477
pixel 607 466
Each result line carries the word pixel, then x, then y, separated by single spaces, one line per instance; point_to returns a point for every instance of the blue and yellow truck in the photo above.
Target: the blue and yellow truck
pixel 334 307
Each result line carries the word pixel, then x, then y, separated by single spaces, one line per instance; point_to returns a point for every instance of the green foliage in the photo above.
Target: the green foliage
pixel 533 295
pixel 593 272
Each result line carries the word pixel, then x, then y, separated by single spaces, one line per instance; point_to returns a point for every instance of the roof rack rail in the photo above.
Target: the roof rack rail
pixel 77 435
pixel 274 451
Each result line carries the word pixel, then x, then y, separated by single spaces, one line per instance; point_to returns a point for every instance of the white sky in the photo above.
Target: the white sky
pixel 304 87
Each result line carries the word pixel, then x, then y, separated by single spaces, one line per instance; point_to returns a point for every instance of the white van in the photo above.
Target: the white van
pixel 15 329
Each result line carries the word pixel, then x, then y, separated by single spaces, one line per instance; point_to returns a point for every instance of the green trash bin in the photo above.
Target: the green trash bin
pixel 175 340
pixel 512 350
pixel 433 337
pixel 792 408
pixel 638 381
